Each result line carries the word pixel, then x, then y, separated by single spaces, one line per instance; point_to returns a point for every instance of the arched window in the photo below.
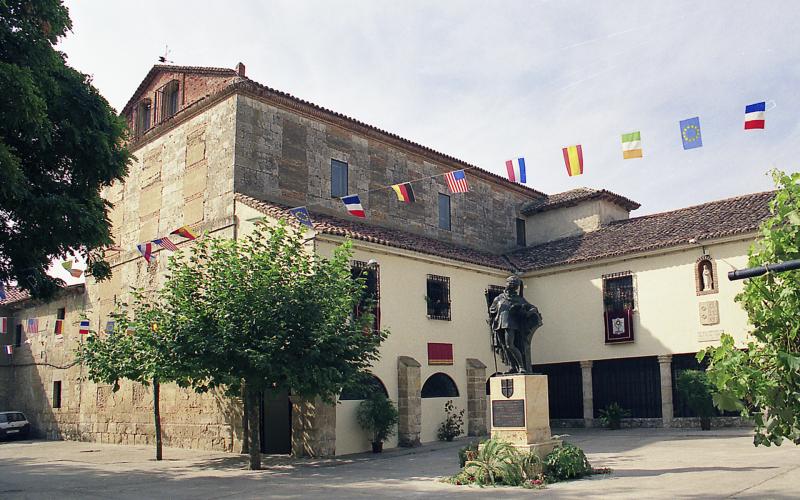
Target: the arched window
pixel 363 389
pixel 439 385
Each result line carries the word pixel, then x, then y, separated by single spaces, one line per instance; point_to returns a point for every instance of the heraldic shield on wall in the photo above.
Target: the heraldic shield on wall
pixel 507 387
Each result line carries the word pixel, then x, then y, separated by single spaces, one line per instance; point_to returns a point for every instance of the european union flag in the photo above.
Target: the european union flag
pixel 301 213
pixel 690 133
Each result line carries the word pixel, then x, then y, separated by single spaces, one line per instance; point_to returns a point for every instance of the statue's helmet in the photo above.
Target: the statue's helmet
pixel 514 281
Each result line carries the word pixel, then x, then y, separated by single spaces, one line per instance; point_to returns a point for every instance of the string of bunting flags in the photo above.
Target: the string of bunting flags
pixel 456 180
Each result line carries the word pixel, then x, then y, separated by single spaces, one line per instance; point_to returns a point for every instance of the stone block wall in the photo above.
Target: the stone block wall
pixel 285 156
pixel 409 401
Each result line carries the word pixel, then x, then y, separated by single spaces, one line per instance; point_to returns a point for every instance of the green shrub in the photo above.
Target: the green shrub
pixel 566 462
pixel 611 416
pixel 453 425
pixel 498 463
pixel 695 389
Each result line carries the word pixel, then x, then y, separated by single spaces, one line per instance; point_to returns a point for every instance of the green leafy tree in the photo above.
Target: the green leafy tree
pixel 60 143
pixel 265 312
pixel 141 348
pixel 763 381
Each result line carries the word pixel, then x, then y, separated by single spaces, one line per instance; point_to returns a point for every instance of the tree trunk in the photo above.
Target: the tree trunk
pixel 157 416
pixel 245 423
pixel 254 446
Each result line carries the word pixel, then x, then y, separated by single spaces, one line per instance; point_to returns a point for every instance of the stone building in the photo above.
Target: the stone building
pixel 626 301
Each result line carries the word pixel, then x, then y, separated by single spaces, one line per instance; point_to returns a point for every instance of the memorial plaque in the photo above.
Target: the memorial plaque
pixel 510 413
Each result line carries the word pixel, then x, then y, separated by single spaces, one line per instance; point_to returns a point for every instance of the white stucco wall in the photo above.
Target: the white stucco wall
pixel 403 312
pixel 666 317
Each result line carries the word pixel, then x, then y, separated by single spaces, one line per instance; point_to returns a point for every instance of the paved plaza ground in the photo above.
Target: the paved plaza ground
pixel 647 463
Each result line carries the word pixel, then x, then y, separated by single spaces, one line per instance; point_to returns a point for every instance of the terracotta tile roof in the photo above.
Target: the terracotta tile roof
pixel 14 294
pixel 575 196
pixel 178 69
pixel 717 219
pixel 327 224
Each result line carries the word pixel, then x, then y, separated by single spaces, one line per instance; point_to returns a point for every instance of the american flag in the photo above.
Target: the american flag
pixel 166 243
pixel 456 181
pixel 33 325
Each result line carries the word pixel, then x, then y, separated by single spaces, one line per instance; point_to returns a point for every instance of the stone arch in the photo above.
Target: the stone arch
pixel 364 389
pixel 439 385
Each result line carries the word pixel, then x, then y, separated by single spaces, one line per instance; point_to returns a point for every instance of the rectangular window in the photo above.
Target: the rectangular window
pixel 338 179
pixel 444 211
pixel 57 394
pixel 18 336
pixel 521 232
pixel 62 313
pixel 618 292
pixel 371 297
pixel 438 297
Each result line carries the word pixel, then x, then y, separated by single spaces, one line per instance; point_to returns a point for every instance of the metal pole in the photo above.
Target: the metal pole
pixel 752 272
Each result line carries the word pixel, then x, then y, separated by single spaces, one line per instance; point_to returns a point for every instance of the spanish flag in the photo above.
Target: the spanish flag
pixel 404 192
pixel 573 158
pixel 185 232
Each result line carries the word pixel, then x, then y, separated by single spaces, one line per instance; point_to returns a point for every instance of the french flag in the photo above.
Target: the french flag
pixel 516 170
pixel 754 115
pixel 353 205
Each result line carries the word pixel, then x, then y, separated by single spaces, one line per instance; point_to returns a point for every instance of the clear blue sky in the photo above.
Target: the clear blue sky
pixel 490 81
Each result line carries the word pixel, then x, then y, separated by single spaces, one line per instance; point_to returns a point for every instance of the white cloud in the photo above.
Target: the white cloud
pixel 488 81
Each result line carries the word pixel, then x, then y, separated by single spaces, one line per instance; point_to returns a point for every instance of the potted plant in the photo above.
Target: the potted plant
pixel 611 416
pixel 378 416
pixel 695 389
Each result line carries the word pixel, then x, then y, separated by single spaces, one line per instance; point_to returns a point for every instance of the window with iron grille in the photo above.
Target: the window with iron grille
pixel 167 101
pixel 618 294
pixel 338 179
pixel 371 297
pixel 438 297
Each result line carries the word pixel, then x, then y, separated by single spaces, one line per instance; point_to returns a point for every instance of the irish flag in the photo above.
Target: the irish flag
pixel 631 145
pixel 573 159
pixel 516 170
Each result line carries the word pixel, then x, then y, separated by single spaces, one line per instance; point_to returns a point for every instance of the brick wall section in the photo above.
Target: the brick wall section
pixel 193 87
pixel 285 157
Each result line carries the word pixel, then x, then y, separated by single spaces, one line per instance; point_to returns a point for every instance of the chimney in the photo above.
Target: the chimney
pixel 240 69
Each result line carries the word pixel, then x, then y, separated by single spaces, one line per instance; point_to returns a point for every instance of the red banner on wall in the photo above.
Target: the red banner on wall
pixel 619 326
pixel 440 354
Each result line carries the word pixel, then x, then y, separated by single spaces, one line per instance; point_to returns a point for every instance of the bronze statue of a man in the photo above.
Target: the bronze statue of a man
pixel 514 320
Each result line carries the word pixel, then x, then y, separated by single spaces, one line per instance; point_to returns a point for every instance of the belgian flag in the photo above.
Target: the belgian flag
pixel 404 192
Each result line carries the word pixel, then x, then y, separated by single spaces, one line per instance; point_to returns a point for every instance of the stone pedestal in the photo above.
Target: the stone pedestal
pixel 520 412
